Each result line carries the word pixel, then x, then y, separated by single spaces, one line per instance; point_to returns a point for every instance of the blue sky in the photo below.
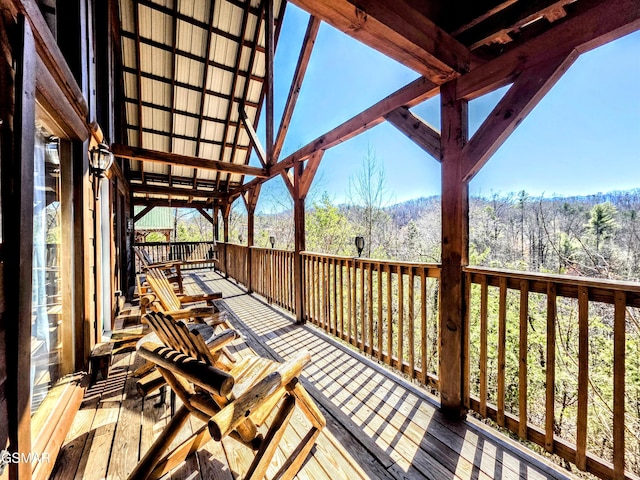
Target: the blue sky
pixel 582 138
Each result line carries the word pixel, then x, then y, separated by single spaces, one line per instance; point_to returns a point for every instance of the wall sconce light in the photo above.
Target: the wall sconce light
pixel 129 225
pixel 272 240
pixel 100 160
pixel 360 245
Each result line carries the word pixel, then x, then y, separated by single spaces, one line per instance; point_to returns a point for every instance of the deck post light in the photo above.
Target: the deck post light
pixel 272 241
pixel 100 159
pixel 360 245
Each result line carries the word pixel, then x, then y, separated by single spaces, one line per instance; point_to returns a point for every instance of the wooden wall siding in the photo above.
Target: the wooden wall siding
pixel 592 300
pixel 388 310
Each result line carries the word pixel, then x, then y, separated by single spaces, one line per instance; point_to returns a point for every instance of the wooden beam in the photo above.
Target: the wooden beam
pixel 397 30
pixel 455 245
pixel 165 202
pixel 422 134
pixel 206 215
pixel 522 97
pixel 296 84
pixel 593 23
pixel 309 173
pixel 142 213
pixel 410 95
pixel 145 155
pixel 175 191
pixel 269 77
pixel 253 136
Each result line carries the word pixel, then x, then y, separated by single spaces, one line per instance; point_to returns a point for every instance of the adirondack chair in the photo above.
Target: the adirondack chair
pixel 180 306
pixel 233 402
pixel 171 268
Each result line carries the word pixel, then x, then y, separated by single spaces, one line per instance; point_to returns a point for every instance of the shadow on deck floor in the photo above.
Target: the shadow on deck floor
pixel 379 426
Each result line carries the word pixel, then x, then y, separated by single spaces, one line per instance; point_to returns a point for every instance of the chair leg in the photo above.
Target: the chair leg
pixel 292 465
pixel 151 458
pixel 268 448
pixel 181 452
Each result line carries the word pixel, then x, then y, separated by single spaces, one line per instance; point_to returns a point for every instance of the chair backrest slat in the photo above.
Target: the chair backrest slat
pixel 163 289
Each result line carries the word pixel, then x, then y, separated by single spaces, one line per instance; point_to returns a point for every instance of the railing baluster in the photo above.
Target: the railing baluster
pixel 502 340
pixel 412 363
pixel 400 319
pixel 466 376
pixel 583 377
pixel 389 316
pixel 619 354
pixel 523 352
pixel 363 310
pixel 423 335
pixel 379 276
pixel 484 298
pixel 334 302
pixel 550 366
pixel 341 281
pixel 370 307
pixel 350 307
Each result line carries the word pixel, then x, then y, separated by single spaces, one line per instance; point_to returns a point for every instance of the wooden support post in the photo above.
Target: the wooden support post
pixel 455 230
pixel 17 191
pixel 299 185
pixel 250 201
pixel 299 242
pixel 226 210
pixel 216 224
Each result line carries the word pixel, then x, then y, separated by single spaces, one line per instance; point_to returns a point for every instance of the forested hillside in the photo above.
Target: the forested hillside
pixel 596 235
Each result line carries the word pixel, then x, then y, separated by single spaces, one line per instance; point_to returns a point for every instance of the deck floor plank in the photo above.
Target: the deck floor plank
pixel 380 426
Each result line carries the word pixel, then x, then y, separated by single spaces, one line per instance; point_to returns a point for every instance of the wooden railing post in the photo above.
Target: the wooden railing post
pixel 226 210
pixel 299 244
pixel 250 201
pixel 455 228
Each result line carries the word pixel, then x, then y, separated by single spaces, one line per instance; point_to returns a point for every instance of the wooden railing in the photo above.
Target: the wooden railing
pixel 386 309
pixel 272 276
pixel 546 358
pixel 232 261
pixel 194 254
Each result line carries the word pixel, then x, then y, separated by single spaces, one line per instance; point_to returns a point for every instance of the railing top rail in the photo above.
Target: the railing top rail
pixel 600 283
pixel 374 261
pixel 153 244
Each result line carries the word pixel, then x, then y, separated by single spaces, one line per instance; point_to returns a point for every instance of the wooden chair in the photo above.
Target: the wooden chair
pixel 171 268
pixel 233 402
pixel 179 306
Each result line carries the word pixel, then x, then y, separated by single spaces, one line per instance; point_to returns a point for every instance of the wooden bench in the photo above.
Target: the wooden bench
pixel 100 360
pixel 233 400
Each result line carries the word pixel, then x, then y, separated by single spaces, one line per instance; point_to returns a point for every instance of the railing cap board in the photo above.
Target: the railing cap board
pixel 604 283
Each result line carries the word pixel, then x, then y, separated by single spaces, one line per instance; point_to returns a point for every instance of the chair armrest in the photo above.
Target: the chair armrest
pixel 236 412
pixel 205 297
pixel 216 342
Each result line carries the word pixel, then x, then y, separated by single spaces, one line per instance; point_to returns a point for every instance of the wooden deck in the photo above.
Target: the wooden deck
pixel 379 426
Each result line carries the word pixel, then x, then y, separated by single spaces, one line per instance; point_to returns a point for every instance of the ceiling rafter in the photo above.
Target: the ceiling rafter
pixel 283 6
pixel 174 191
pixel 159 202
pixel 186 86
pixel 191 56
pixel 203 90
pixel 174 36
pixel 234 83
pixel 179 112
pixel 143 154
pixel 136 20
pixel 184 137
pixel 197 23
pixel 252 57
